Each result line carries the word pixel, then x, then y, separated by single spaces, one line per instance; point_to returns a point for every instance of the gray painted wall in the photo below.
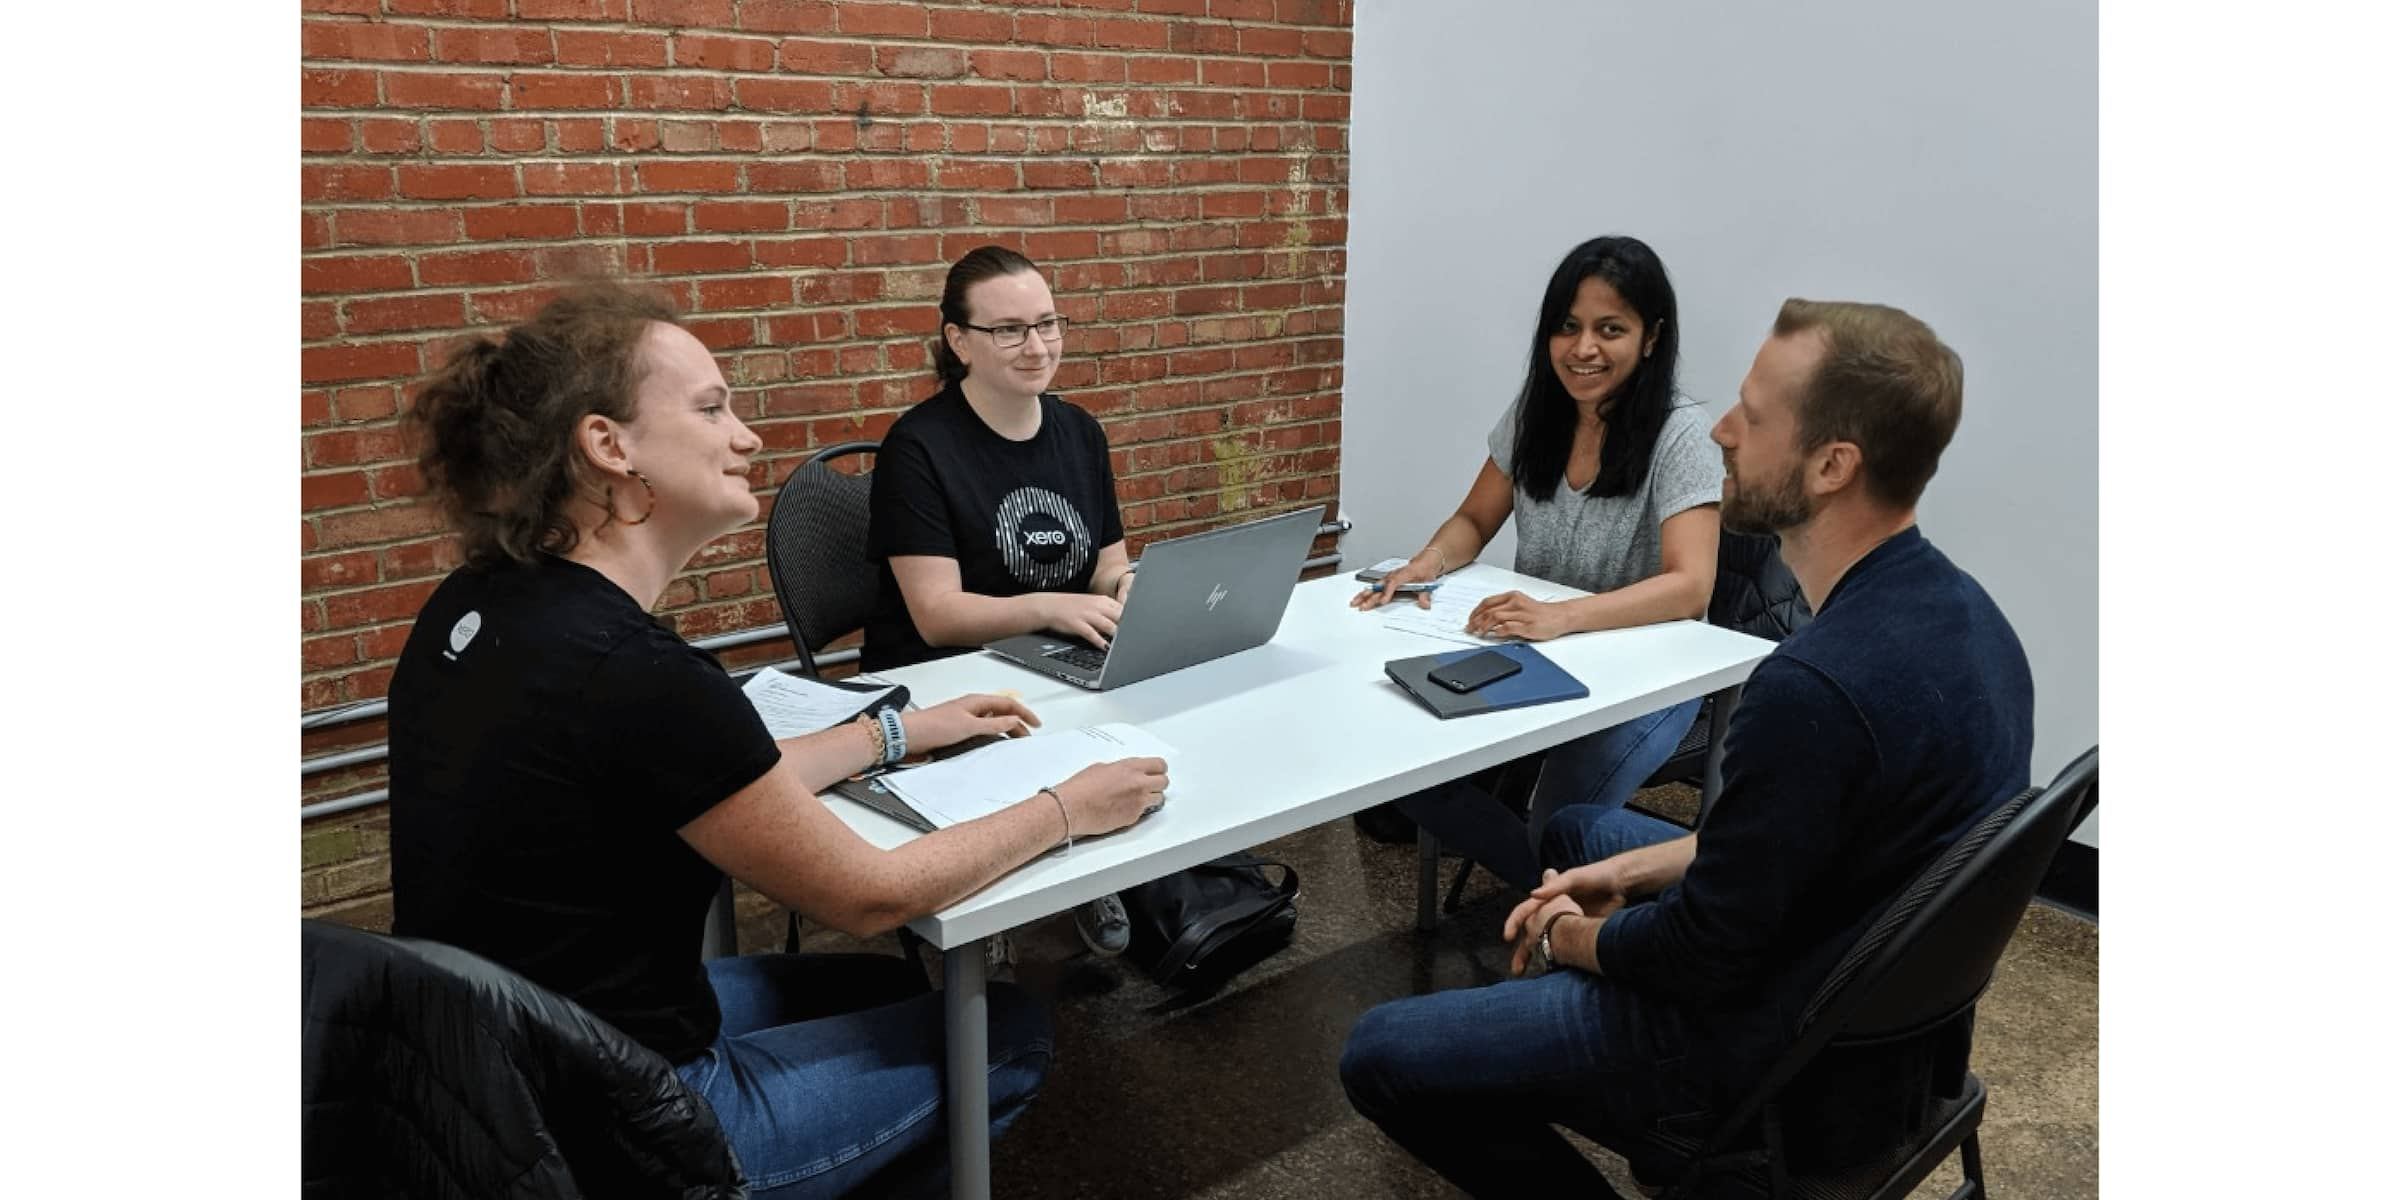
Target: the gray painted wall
pixel 1943 158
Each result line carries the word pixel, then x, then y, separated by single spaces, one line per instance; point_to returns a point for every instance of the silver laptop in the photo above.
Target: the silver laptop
pixel 1197 598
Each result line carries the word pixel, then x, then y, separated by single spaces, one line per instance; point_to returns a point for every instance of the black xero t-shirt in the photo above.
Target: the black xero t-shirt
pixel 547 740
pixel 1019 517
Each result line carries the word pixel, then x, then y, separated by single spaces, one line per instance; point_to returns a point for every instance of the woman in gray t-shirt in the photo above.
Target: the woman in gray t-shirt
pixel 1614 485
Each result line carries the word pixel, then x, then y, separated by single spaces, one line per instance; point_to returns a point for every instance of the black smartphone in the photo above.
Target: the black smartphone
pixel 1467 674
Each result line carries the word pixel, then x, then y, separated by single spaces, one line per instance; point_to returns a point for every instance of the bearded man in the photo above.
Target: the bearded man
pixel 1669 969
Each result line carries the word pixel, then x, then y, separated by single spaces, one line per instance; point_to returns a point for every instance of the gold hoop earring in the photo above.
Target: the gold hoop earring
pixel 645 482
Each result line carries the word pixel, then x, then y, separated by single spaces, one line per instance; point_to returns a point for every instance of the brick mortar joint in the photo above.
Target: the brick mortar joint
pixel 575 25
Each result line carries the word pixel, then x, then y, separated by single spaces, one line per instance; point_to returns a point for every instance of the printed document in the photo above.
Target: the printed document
pixel 985 781
pixel 792 706
pixel 1447 619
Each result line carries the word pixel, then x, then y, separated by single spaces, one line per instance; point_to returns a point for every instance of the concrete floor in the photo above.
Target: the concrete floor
pixel 1236 1096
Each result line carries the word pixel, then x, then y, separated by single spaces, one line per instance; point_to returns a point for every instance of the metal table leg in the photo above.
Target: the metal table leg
pixel 1429 877
pixel 717 939
pixel 967 1027
pixel 1720 718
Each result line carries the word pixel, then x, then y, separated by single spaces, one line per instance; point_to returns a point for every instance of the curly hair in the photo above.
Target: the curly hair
pixel 495 423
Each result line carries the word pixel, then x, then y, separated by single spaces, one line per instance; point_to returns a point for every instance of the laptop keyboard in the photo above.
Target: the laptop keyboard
pixel 1083 657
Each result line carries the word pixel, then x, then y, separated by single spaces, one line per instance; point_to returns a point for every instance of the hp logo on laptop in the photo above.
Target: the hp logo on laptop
pixel 1215 593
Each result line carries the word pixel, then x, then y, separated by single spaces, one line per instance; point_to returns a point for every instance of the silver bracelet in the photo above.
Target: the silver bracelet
pixel 1063 818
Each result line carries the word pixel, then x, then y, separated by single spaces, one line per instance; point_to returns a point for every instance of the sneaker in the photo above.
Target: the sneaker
pixel 1104 926
pixel 999 957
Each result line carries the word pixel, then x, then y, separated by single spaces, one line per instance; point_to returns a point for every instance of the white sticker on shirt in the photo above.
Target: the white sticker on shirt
pixel 462 633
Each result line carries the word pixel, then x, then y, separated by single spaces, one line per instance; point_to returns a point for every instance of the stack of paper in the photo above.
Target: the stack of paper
pixel 1447 619
pixel 988 780
pixel 792 706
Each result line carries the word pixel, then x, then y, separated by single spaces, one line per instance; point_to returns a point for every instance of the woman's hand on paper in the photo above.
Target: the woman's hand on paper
pixel 955 721
pixel 1517 615
pixel 1106 797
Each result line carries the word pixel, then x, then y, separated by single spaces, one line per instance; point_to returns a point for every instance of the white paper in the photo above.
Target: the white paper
pixel 985 781
pixel 1452 602
pixel 792 706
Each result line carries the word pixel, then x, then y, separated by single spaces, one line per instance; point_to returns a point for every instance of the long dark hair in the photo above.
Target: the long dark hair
pixel 1546 413
pixel 981 263
pixel 495 423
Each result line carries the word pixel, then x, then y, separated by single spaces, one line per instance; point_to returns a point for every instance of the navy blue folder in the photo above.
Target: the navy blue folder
pixel 1541 682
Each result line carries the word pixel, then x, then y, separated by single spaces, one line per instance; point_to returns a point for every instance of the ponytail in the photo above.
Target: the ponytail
pixel 979 264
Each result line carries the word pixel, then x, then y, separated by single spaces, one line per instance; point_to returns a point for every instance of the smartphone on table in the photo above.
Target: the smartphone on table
pixel 1468 674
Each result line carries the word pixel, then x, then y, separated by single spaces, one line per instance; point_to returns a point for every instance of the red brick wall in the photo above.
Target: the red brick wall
pixel 798 173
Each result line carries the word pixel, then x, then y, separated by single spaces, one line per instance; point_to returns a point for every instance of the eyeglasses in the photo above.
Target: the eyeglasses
pixel 1009 337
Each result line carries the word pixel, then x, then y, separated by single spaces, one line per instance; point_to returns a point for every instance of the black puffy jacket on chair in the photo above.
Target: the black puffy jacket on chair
pixel 429 1072
pixel 1755 591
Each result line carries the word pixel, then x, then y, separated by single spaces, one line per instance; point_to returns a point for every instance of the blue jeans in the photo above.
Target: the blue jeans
pixel 827 1073
pixel 1601 769
pixel 1470 1081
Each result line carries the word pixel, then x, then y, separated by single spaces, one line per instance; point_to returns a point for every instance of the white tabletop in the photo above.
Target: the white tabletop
pixel 1302 730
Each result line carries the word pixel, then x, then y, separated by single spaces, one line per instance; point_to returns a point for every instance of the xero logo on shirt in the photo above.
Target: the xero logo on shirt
pixel 1041 538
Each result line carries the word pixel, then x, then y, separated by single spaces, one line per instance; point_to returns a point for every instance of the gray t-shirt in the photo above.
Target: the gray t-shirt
pixel 1602 543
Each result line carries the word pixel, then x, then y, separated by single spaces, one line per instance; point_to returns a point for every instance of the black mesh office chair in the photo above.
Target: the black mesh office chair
pixel 824 582
pixel 817 551
pixel 1916 973
pixel 1755 593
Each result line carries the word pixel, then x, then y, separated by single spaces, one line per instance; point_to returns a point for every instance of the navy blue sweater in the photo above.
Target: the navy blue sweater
pixel 1872 739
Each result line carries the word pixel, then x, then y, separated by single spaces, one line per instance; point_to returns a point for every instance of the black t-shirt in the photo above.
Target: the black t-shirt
pixel 1019 517
pixel 548 737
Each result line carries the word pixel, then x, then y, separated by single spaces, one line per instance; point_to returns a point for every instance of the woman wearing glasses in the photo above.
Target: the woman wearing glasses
pixel 994 510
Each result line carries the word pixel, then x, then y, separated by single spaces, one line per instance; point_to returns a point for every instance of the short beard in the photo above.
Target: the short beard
pixel 1772 513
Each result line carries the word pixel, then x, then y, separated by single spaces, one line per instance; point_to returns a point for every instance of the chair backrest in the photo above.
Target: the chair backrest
pixel 1930 955
pixel 1756 592
pixel 427 1070
pixel 817 551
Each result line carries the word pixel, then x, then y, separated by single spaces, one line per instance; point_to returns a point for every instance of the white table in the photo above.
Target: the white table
pixel 1302 730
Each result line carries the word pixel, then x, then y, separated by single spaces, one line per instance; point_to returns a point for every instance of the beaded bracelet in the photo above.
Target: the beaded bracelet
pixel 874 730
